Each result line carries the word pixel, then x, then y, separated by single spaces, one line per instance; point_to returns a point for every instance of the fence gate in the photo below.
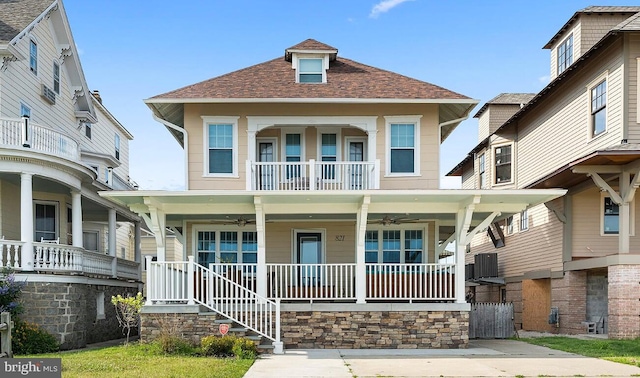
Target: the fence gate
pixel 491 321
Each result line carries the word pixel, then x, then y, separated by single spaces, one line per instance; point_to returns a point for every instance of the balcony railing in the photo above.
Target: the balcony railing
pixel 313 175
pixel 21 133
pixel 61 258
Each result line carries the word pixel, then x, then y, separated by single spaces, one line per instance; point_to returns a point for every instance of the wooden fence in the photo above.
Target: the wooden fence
pixel 5 335
pixel 491 321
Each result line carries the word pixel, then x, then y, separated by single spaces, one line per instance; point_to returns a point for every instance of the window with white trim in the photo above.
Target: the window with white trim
pixel 33 56
pixel 117 146
pixel 403 140
pixel 329 153
pixel 524 220
pixel 611 217
pixel 396 246
pixel 56 77
pixel 87 129
pixel 599 108
pixel 25 111
pixel 293 154
pixel 215 246
pixel 221 146
pixel 502 159
pixel 90 240
pixel 565 54
pixel 310 70
pixel 509 225
pixel 46 220
pixel 481 171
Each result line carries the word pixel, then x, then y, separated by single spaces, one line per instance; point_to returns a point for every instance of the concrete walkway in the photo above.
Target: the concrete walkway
pixel 485 358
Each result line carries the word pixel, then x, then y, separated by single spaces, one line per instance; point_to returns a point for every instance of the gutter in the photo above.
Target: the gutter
pixel 457 120
pixel 185 145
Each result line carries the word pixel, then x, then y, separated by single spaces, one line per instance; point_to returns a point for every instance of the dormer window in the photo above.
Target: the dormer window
pixel 310 70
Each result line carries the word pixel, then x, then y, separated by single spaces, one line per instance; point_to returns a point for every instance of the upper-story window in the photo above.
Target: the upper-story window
pixel 221 146
pixel 310 70
pixel 565 54
pixel 56 77
pixel 503 171
pixel 117 145
pixel 524 220
pixel 611 216
pixel 87 129
pixel 403 141
pixel 329 152
pixel 481 171
pixel 599 108
pixel 33 56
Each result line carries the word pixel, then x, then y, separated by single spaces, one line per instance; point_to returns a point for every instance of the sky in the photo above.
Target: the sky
pixel 134 50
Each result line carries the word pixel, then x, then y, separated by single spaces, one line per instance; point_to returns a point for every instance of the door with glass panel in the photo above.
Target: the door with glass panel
pixel 356 174
pixel 309 255
pixel 266 172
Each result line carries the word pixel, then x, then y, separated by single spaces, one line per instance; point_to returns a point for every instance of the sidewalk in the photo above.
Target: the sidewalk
pixel 484 358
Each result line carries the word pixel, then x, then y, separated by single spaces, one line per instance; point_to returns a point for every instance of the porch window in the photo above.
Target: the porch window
pixel 90 240
pixel 391 246
pixel 45 221
pixel 206 247
pixel 502 164
pixel 293 153
pixel 229 247
pixel 524 220
pixel 329 152
pixel 412 246
pixel 402 148
pixel 398 246
pixel 249 247
pixel 611 217
pixel 509 225
pixel 371 247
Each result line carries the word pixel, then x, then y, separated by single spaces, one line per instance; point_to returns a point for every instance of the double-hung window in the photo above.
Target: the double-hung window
pixel 481 171
pixel 116 142
pixel 56 77
pixel 87 129
pixel 46 220
pixel 221 146
pixel 403 141
pixel 293 154
pixel 329 151
pixel 611 217
pixel 33 56
pixel 310 70
pixel 398 246
pixel 502 156
pixel 524 220
pixel 219 246
pixel 599 108
pixel 565 54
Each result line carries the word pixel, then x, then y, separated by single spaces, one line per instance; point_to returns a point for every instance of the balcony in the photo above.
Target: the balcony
pixel 313 175
pixel 21 133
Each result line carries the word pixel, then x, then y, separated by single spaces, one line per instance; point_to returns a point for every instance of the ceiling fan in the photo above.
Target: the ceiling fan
pixel 240 221
pixel 387 220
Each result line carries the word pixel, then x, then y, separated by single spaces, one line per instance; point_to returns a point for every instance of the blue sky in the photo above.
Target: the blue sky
pixel 133 50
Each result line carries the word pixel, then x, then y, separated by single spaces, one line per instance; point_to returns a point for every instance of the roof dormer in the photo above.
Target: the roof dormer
pixel 310 59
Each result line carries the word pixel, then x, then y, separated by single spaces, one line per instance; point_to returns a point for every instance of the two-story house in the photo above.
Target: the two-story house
pixel 60 146
pixel 576 258
pixel 312 213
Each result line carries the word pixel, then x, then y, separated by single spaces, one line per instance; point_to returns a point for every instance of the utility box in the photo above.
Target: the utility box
pixel 468 272
pixel 485 265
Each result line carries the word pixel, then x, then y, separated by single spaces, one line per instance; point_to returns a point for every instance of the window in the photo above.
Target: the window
pixel 293 153
pixel 565 54
pixel 227 247
pixel 611 216
pixel 25 111
pixel 402 148
pixel 56 77
pixel 509 225
pixel 481 171
pixel 221 146
pixel 599 108
pixel 503 164
pixel 33 57
pixel 87 129
pixel 117 145
pixel 329 151
pixel 524 220
pixel 100 305
pixel 310 70
pixel 90 240
pixel 46 221
pixel 398 246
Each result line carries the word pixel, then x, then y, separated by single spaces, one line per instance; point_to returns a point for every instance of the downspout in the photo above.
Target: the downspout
pixel 185 143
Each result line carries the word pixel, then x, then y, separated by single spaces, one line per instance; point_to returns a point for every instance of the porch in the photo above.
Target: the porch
pixel 21 133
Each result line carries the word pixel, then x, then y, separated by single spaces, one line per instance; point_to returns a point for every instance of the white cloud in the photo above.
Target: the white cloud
pixel 384 6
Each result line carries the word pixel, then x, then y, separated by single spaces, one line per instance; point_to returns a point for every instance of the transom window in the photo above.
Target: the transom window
pixel 502 164
pixel 599 108
pixel 56 77
pixel 565 54
pixel 220 148
pixel 403 148
pixel 33 57
pixel 394 246
pixel 227 247
pixel 310 70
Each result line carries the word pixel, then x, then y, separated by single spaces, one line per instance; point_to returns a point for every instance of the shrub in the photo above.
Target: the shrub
pixel 217 346
pixel 29 338
pixel 244 348
pixel 10 291
pixel 128 311
pixel 173 345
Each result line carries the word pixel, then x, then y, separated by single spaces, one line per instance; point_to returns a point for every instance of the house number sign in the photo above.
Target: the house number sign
pixel 224 329
pixel 340 238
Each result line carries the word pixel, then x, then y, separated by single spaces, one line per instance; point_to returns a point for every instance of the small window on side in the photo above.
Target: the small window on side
pixel 56 77
pixel 87 129
pixel 33 57
pixel 599 108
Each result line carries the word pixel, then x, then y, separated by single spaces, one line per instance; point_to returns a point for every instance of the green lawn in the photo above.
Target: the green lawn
pixel 138 360
pixel 623 351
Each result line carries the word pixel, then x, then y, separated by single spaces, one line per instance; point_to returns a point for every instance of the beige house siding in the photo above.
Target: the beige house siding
pixel 538 248
pixel 559 133
pixel 500 114
pixel 632 43
pixel 469 177
pixel 483 125
pixel 595 26
pixel 428 177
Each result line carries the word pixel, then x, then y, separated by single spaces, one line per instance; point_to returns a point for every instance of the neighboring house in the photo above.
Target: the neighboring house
pixel 59 146
pixel 577 256
pixel 312 213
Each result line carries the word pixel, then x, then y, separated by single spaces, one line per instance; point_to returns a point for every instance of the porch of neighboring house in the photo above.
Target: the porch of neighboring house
pixel 365 269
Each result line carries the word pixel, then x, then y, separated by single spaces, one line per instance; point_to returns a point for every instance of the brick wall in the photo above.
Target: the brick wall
pixel 569 294
pixel 68 311
pixel 514 294
pixel 624 301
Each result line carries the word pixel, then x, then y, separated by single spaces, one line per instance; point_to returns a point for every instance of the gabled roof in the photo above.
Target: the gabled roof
pixel 16 15
pixel 506 99
pixel 310 45
pixel 590 10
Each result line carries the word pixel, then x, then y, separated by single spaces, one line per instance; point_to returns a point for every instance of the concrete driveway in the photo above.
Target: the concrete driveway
pixel 485 358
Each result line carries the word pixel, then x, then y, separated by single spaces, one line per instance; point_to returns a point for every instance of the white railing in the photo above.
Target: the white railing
pixel 313 175
pixel 10 252
pixel 167 281
pixel 311 281
pixel 24 134
pixel 57 257
pixel 127 269
pixel 242 274
pixel 98 264
pixel 410 281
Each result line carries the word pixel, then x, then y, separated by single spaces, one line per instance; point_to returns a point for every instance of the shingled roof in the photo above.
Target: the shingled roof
pixel 346 79
pixel 506 99
pixel 16 15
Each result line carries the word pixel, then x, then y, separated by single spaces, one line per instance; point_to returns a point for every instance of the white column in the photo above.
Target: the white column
pixel 361 269
pixel 76 218
pixel 137 252
pixel 112 242
pixel 371 145
pixel 26 220
pixel 261 269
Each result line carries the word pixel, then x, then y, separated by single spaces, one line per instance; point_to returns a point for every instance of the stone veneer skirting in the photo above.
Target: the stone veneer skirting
pixel 332 326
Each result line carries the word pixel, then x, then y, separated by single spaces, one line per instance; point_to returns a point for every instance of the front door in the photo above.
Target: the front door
pixel 309 255
pixel 357 174
pixel 266 172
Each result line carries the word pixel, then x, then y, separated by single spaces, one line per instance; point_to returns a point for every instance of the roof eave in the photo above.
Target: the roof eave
pixel 316 100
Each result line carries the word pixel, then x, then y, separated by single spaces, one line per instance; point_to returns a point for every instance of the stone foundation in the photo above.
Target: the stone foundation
pixel 624 301
pixel 190 326
pixel 68 311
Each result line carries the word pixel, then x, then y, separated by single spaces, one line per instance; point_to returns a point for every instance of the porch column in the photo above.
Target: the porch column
pixel 76 218
pixel 624 225
pixel 112 232
pixel 261 269
pixel 137 252
pixel 361 269
pixel 463 222
pixel 26 220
